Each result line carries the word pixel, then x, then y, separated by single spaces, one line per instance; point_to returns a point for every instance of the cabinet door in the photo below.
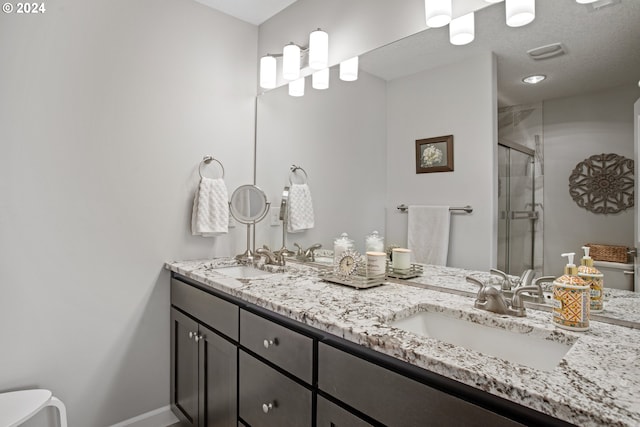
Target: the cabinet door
pixel 184 368
pixel 218 385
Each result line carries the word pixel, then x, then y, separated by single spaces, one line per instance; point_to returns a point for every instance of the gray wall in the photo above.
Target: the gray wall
pixel 576 128
pixel 338 136
pixel 106 109
pixel 459 99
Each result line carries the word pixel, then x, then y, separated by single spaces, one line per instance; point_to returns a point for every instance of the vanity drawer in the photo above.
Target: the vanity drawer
pixel 215 312
pixel 268 398
pixel 331 415
pixel 393 399
pixel 288 349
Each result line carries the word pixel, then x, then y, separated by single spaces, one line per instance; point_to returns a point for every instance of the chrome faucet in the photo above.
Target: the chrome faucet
pixel 307 255
pixel 270 257
pixel 492 299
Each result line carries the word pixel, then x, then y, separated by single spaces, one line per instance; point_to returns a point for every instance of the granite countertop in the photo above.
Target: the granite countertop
pixel 596 383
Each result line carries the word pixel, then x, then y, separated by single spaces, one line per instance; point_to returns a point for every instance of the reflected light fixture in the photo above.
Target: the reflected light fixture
pixel 291 62
pixel 318 50
pixel 520 12
pixel 437 12
pixel 586 1
pixel 296 87
pixel 535 79
pixel 493 1
pixel 349 69
pixel 462 29
pixel 268 72
pixel 320 79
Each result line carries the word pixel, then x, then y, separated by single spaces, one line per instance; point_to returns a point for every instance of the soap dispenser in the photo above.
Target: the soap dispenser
pixel 571 299
pixel 340 245
pixel 374 242
pixel 594 278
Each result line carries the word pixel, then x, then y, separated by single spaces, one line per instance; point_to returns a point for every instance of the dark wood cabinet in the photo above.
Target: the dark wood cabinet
pixel 204 364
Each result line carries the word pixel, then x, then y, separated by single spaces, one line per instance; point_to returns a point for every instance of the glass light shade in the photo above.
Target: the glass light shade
pixel 291 62
pixel 493 1
pixel 520 12
pixel 462 30
pixel 437 12
pixel 318 50
pixel 349 69
pixel 320 79
pixel 268 72
pixel 296 87
pixel 586 1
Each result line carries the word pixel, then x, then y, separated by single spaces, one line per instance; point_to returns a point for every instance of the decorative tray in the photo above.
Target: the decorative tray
pixel 355 281
pixel 414 270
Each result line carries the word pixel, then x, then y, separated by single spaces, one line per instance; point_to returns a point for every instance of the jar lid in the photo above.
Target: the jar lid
pixel 343 239
pixel 374 237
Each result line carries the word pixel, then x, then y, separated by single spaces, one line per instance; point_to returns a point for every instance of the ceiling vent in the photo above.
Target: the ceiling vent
pixel 546 52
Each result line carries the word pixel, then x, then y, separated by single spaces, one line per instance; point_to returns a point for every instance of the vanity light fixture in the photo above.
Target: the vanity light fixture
pixel 437 12
pixel 586 1
pixel 535 79
pixel 291 62
pixel 493 1
pixel 268 72
pixel 520 12
pixel 318 50
pixel 349 69
pixel 462 29
pixel 296 87
pixel 320 79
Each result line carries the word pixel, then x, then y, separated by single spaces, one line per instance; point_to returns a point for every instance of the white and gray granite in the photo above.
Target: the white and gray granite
pixel 596 383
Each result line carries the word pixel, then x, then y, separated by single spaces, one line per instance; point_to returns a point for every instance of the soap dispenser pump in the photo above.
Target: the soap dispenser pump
pixel 571 298
pixel 594 278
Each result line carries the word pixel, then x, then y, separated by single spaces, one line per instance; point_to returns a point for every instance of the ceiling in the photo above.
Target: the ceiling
pixel 603 50
pixel 252 11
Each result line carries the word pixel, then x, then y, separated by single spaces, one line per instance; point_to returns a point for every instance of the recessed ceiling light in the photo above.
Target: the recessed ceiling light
pixel 534 79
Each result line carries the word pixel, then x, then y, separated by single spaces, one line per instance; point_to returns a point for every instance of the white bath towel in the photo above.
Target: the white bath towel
pixel 210 215
pixel 428 234
pixel 300 208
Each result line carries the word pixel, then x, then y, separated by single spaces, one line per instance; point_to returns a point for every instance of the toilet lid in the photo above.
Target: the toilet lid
pixel 19 406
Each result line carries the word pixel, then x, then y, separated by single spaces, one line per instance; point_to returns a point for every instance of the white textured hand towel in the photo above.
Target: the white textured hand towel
pixel 428 234
pixel 300 208
pixel 210 215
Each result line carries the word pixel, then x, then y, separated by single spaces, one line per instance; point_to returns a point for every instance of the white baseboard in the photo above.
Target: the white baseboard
pixel 161 417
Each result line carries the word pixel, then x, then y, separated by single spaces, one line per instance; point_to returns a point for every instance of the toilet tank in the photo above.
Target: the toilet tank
pixel 614 274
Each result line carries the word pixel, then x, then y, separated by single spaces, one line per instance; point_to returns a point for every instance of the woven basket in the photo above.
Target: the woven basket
pixel 608 252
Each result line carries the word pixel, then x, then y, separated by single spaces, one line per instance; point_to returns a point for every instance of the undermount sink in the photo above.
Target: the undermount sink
pixel 242 271
pixel 529 350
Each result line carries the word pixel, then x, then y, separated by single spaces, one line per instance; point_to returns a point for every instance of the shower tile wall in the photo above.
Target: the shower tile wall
pixel 523 124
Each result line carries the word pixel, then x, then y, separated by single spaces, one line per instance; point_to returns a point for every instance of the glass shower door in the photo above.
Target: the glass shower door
pixel 516 225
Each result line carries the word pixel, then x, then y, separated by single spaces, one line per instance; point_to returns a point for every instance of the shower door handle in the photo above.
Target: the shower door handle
pixel 523 215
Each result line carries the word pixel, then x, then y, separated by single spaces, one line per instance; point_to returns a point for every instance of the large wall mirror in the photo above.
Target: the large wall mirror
pixel 343 138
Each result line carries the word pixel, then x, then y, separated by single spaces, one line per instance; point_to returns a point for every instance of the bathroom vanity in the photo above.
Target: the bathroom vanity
pixel 287 349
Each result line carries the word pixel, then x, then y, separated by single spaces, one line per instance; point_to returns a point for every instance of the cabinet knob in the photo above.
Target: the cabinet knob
pixel 198 337
pixel 192 334
pixel 266 407
pixel 269 343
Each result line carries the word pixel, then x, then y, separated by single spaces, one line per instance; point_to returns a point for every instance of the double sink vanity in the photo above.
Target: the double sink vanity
pixel 277 346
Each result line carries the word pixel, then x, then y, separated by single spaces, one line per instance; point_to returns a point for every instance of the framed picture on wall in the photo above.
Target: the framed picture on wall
pixel 434 154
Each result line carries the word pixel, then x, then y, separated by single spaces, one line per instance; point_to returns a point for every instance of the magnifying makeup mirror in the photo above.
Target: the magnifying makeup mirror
pixel 248 205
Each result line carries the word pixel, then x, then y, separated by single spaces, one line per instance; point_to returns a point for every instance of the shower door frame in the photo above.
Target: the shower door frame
pixel 532 154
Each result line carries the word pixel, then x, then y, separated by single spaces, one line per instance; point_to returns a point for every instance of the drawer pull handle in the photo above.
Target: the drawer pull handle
pixel 269 343
pixel 266 407
pixel 628 273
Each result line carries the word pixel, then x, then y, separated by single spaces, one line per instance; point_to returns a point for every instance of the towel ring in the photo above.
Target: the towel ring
pixel 295 168
pixel 206 160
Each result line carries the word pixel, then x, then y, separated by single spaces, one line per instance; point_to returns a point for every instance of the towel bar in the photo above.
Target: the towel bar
pixel 468 209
